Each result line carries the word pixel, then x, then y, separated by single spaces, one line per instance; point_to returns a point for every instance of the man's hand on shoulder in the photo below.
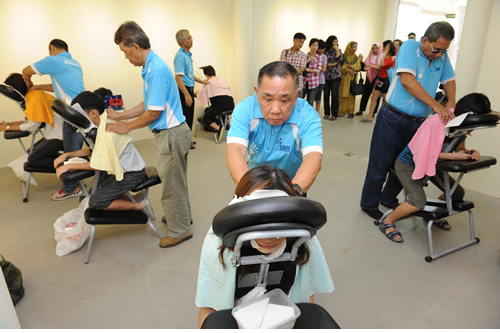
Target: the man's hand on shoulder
pixel 119 127
pixel 443 113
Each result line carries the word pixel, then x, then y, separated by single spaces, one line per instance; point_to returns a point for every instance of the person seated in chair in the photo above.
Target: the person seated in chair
pixel 216 277
pixel 220 96
pixel 38 111
pixel 419 159
pixel 113 153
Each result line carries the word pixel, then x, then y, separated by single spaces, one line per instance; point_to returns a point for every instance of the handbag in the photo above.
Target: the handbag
pixel 357 88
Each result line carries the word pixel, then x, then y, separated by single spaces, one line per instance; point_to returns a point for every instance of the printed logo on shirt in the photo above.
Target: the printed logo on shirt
pixel 69 62
pixel 251 155
pixel 282 147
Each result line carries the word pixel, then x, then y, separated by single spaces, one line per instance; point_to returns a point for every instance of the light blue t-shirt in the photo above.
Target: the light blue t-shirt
pixel 412 60
pixel 280 146
pixel 65 72
pixel 161 93
pixel 183 65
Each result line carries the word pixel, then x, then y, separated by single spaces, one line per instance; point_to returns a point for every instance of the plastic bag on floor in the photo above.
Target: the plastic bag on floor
pixel 18 167
pixel 71 230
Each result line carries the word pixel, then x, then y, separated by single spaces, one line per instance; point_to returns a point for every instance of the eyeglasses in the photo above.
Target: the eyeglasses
pixel 437 51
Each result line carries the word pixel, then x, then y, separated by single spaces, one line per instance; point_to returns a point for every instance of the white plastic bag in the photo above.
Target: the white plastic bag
pixel 72 230
pixel 18 167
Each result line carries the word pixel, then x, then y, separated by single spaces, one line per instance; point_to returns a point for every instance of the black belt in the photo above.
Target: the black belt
pixel 404 115
pixel 155 131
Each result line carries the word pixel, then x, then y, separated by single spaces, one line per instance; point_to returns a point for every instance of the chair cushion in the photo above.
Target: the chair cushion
pixel 480 119
pixel 32 168
pixel 11 93
pixel 9 135
pixel 152 179
pixel 432 213
pixel 94 216
pixel 275 213
pixel 75 175
pixel 465 165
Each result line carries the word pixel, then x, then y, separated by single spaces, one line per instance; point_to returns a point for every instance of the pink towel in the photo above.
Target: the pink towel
pixel 426 145
pixel 216 87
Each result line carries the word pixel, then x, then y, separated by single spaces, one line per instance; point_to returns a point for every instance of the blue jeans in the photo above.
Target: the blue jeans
pixel 72 141
pixel 390 136
pixel 311 95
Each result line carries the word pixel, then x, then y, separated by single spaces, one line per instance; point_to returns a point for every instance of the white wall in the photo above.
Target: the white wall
pixel 88 27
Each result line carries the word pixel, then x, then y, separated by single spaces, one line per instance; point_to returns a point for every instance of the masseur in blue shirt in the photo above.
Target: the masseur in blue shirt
pixel 67 82
pixel 161 111
pixel 277 128
pixel 420 67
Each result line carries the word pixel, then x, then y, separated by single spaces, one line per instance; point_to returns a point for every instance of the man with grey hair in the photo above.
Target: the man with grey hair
pixel 184 75
pixel 161 111
pixel 420 68
pixel 276 127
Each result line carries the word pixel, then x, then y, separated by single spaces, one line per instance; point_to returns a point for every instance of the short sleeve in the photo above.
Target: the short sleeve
pixel 310 133
pixel 180 65
pixel 240 123
pixel 45 66
pixel 283 55
pixel 407 59
pixel 157 93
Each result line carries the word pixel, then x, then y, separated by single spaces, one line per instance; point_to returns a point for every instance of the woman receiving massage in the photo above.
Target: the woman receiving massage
pixel 217 277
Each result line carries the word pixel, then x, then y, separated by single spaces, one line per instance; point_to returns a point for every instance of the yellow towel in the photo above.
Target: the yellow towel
pixel 38 107
pixel 108 149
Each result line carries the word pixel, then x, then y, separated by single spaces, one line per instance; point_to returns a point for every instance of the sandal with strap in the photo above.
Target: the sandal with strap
pixel 443 224
pixel 332 118
pixel 350 115
pixel 325 117
pixel 384 226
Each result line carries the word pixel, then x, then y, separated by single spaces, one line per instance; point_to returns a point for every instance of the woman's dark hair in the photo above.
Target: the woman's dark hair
pixel 208 70
pixel 89 101
pixel 313 40
pixel 322 44
pixel 329 42
pixel 15 80
pixel 129 33
pixel 392 48
pixel 266 177
pixel 475 102
pixel 103 92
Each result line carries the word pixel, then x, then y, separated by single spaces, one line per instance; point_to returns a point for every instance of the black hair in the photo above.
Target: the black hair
pixel 441 97
pixel 412 33
pixel 314 40
pixel 89 101
pixel 208 70
pixel 59 44
pixel 264 177
pixel 299 35
pixel 475 102
pixel 392 48
pixel 322 44
pixel 329 42
pixel 439 29
pixel 129 33
pixel 16 81
pixel 103 92
pixel 280 69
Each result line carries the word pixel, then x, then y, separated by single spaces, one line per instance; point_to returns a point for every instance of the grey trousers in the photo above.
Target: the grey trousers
pixel 173 147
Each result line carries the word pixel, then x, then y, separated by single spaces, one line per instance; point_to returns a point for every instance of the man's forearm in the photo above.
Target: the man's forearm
pixel 411 84
pixel 181 85
pixel 131 113
pixel 305 176
pixel 144 120
pixel 235 160
pixel 450 88
pixel 44 87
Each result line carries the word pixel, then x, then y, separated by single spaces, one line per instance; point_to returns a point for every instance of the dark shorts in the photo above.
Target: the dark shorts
pixel 382 85
pixel 109 189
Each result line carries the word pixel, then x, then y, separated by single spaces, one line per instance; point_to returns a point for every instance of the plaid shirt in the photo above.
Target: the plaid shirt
pixel 333 72
pixel 297 60
pixel 313 78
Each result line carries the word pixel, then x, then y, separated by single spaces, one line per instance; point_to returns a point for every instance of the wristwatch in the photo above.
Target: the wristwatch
pixel 298 189
pixel 7 128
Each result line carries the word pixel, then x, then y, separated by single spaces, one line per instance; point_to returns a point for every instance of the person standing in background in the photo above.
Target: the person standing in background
pixel 184 76
pixel 352 65
pixel 332 77
pixel 295 57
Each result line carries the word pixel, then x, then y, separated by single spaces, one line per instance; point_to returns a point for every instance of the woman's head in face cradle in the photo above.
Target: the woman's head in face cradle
pixel 265 177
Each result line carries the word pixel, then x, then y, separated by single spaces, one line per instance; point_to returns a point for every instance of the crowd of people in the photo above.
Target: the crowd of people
pixel 273 127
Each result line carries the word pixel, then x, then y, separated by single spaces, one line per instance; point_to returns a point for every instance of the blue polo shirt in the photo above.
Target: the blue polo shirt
pixel 412 60
pixel 160 93
pixel 183 65
pixel 65 72
pixel 280 146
